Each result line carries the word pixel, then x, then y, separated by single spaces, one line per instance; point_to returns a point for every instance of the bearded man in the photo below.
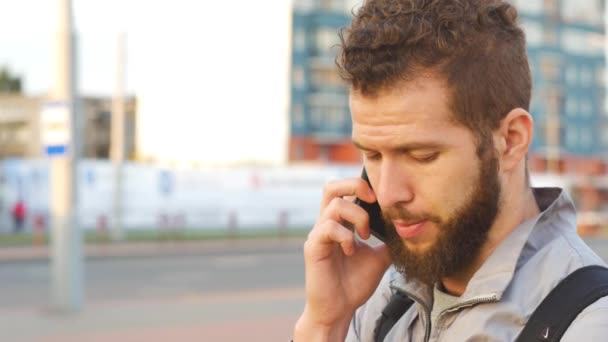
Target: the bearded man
pixel 439 96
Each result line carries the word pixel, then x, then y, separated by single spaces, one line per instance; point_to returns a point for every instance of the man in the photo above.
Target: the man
pixel 19 214
pixel 439 95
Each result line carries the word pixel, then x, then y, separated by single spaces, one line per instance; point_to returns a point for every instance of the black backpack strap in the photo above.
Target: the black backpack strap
pixel 392 312
pixel 572 295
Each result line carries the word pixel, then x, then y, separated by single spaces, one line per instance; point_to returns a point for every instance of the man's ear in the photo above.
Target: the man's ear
pixel 513 138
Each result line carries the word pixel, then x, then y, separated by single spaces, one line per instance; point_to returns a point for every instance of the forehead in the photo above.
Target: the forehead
pixel 423 98
pixel 410 111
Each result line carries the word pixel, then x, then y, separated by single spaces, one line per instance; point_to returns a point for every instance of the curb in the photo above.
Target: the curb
pixel 148 249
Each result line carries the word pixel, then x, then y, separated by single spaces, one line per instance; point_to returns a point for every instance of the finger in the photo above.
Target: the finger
pixel 347 187
pixel 349 214
pixel 350 198
pixel 325 236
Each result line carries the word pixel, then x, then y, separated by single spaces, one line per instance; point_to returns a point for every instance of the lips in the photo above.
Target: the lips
pixel 408 230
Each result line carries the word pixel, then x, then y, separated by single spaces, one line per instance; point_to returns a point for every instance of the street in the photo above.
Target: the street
pixel 249 292
pixel 233 292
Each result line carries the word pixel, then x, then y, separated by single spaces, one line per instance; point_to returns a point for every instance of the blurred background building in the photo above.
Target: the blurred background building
pixel 98 123
pixel 320 118
pixel 20 126
pixel 566 51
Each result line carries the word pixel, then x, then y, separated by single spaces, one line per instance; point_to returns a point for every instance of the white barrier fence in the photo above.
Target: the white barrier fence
pixel 200 199
pixel 162 198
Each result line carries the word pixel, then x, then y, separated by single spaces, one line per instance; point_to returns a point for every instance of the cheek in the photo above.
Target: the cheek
pixel 449 188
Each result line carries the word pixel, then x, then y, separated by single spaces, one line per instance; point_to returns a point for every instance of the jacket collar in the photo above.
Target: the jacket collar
pixel 557 213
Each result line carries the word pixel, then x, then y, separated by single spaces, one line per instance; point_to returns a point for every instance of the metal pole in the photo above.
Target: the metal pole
pixel 118 140
pixel 605 109
pixel 66 258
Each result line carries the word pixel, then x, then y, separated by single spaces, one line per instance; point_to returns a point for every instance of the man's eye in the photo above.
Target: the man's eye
pixel 427 158
pixel 372 156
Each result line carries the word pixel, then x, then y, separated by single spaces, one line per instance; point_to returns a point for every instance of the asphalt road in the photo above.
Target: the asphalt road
pixel 237 293
pixel 240 293
pixel 234 269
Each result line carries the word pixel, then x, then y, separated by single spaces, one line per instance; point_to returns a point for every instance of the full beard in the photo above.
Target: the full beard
pixel 460 237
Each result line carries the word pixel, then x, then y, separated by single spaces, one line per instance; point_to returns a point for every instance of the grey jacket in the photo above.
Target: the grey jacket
pixel 504 292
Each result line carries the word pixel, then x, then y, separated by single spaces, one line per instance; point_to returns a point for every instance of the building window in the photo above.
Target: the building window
pixel 333 5
pixel 549 36
pixel 600 76
pixel 316 117
pixel 552 100
pixel 299 40
pixel 335 118
pixel 326 77
pixel 551 7
pixel 586 138
pixel 326 39
pixel 534 32
pixel 298 115
pixel 581 43
pixel 571 75
pixel 576 11
pixel 298 76
pixel 586 77
pixel 21 134
pixel 353 6
pixel 550 68
pixel 586 108
pixel 571 106
pixel 529 6
pixel 571 137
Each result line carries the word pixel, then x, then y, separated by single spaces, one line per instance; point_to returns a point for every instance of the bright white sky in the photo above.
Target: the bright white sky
pixel 212 77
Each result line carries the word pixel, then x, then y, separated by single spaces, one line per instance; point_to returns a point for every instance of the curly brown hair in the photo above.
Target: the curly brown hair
pixel 475 45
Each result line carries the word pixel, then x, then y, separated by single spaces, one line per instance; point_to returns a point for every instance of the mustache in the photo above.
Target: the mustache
pixel 403 214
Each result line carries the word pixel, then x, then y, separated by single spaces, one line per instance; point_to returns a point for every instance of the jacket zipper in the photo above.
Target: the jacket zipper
pixel 477 300
pixel 427 311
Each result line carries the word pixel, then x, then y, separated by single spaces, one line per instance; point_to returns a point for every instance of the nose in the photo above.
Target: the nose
pixel 393 185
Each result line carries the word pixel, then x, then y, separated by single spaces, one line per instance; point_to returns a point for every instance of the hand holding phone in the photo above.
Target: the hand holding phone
pixel 341 272
pixel 376 223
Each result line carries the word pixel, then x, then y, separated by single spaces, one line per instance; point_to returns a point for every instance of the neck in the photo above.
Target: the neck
pixel 505 223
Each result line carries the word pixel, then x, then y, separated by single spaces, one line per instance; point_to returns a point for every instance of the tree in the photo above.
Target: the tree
pixel 9 83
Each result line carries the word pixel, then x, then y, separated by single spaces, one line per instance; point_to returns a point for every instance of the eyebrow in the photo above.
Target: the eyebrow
pixel 407 147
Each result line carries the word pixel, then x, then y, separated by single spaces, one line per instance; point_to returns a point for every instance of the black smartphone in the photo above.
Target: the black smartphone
pixel 376 223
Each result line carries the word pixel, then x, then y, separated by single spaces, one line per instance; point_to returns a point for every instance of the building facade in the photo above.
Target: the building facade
pixel 566 51
pixel 20 135
pixel 567 58
pixel 320 120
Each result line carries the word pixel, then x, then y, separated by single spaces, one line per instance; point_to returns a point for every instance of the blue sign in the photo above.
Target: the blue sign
pixel 56 150
pixel 55 127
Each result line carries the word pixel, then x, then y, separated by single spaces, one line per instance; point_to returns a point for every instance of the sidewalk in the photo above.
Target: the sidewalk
pixel 255 315
pixel 142 249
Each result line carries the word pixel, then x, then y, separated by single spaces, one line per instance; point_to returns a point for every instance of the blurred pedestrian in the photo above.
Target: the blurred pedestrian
pixel 19 213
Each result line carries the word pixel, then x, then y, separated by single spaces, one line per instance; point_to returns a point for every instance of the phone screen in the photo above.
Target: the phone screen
pixel 376 223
